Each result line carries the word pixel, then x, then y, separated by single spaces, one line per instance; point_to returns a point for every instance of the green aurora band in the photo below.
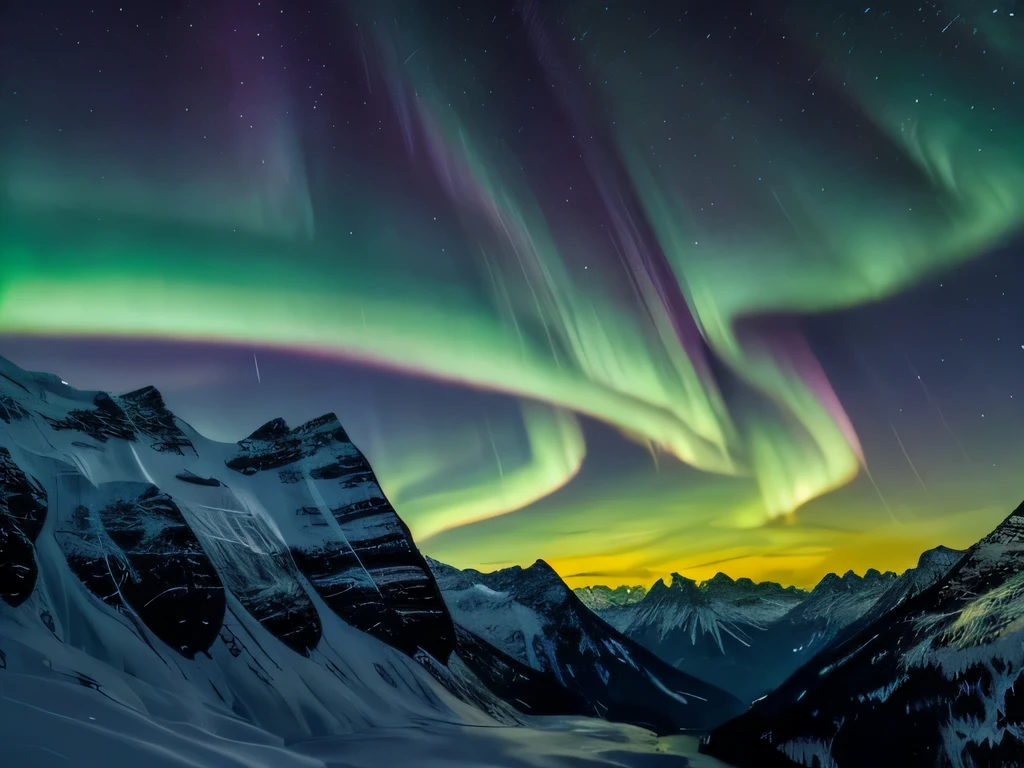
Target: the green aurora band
pixel 565 341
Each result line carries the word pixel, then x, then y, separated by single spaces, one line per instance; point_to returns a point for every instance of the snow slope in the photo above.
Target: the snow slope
pixel 931 682
pixel 55 725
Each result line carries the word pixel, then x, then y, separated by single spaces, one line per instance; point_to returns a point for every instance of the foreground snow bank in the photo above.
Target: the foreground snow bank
pixel 51 724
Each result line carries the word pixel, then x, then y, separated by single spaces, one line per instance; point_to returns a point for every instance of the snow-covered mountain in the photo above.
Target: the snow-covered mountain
pixel 172 601
pixel 931 682
pixel 748 637
pixel 131 545
pixel 599 597
pixel 834 603
pixel 714 630
pixel 530 614
pixel 932 566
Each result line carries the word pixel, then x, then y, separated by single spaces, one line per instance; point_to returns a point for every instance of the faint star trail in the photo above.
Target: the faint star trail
pixel 938 410
pixel 907 456
pixel 879 492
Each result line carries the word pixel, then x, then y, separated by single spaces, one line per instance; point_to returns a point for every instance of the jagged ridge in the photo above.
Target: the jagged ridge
pixel 930 682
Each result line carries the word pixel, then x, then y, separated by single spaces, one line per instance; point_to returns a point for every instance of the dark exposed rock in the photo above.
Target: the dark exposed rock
pixel 10 410
pixel 275 445
pixel 18 569
pixel 188 477
pixel 372 575
pixel 146 412
pixel 282 606
pixel 23 507
pixel 134 416
pixel 21 498
pixel 379 589
pixel 351 470
pixel 259 572
pixel 101 423
pixel 167 564
pixel 138 553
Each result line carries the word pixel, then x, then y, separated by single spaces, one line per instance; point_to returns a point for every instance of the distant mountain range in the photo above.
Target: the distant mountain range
pixel 926 679
pixel 600 597
pixel 748 637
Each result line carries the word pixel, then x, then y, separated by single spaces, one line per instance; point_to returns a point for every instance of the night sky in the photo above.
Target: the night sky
pixel 634 287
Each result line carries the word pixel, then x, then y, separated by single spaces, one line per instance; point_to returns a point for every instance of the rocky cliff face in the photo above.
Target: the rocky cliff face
pixel 346 538
pixel 931 681
pixel 172 572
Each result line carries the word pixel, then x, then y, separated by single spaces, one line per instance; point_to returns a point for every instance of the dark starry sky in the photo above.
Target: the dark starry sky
pixel 601 283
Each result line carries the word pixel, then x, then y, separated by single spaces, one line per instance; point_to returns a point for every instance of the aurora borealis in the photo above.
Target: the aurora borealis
pixel 633 287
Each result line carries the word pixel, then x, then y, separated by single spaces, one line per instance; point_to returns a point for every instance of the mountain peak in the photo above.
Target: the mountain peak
pixel 149 393
pixel 829 582
pixel 874 575
pixel 181 556
pixel 541 570
pixel 601 597
pixel 939 554
pixel 1008 532
pixel 275 445
pixel 278 429
pixel 273 429
pixel 682 582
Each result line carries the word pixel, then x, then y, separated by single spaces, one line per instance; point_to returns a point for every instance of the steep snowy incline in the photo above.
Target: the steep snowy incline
pixel 531 615
pixel 343 534
pixel 155 568
pixel 932 567
pixel 931 682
